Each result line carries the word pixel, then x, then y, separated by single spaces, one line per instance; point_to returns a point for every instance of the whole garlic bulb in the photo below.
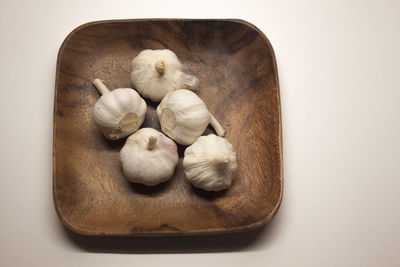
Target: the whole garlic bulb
pixel 118 113
pixel 184 116
pixel 149 157
pixel 154 73
pixel 210 163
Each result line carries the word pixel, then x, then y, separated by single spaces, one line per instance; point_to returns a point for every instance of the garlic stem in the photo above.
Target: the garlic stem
pixel 160 67
pixel 216 125
pixel 226 160
pixel 221 163
pixel 100 86
pixel 152 142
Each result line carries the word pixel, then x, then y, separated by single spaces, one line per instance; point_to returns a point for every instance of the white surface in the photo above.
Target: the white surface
pixel 338 64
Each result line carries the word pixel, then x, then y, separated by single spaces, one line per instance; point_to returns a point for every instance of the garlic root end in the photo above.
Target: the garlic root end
pixel 100 86
pixel 216 125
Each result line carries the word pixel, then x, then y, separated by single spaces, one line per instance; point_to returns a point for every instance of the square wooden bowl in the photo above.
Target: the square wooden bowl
pixel 239 83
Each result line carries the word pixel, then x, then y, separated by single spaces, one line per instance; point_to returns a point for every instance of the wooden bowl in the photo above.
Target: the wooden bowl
pixel 239 83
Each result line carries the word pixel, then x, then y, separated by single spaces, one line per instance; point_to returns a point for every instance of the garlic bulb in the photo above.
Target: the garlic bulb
pixel 118 113
pixel 184 116
pixel 149 157
pixel 154 73
pixel 210 163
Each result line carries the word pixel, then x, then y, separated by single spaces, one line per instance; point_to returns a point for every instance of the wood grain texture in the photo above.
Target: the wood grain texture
pixel 236 66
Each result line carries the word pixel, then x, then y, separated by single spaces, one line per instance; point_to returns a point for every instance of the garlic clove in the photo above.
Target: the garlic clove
pixel 210 163
pixel 154 73
pixel 184 116
pixel 118 113
pixel 149 157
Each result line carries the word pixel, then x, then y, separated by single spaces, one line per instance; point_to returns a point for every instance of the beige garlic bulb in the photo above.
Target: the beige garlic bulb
pixel 118 113
pixel 210 163
pixel 149 157
pixel 154 73
pixel 184 116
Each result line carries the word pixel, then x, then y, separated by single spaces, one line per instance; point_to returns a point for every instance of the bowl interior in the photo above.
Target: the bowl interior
pixel 238 75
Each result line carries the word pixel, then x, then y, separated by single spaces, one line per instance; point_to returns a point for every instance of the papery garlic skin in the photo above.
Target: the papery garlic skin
pixel 118 113
pixel 149 157
pixel 210 163
pixel 184 116
pixel 154 73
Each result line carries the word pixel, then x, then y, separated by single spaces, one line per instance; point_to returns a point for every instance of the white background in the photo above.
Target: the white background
pixel 338 64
